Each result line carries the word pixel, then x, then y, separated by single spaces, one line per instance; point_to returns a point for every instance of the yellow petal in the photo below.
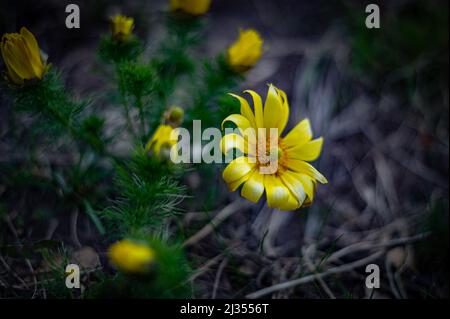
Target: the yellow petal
pixel 30 40
pixel 307 182
pixel 299 135
pixel 253 187
pixel 241 122
pixel 257 106
pixel 246 111
pixel 244 126
pixel 128 25
pixel 34 52
pixel 308 185
pixel 14 77
pixel 164 135
pixel 302 167
pixel 154 138
pixel 272 109
pixel 284 111
pixel 290 204
pixel 234 185
pixel 16 57
pixel 232 141
pixel 276 192
pixel 237 169
pixel 295 186
pixel 309 151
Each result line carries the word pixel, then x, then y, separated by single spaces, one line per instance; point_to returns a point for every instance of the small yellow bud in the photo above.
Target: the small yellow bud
pixel 174 116
pixel 194 7
pixel 121 27
pixel 246 51
pixel 22 57
pixel 131 257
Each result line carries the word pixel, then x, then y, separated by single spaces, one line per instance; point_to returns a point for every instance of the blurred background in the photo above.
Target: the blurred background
pixel 378 96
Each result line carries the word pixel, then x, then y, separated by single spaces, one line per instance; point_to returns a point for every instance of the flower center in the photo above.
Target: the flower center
pixel 270 152
pixel 280 152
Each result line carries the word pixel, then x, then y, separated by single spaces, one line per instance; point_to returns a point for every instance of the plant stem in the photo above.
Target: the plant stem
pixel 128 119
pixel 141 115
pixel 73 228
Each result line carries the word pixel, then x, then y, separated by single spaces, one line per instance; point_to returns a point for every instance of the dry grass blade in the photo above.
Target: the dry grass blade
pixel 227 211
pixel 340 269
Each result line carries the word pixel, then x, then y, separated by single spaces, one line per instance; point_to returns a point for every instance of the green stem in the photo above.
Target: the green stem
pixel 128 119
pixel 141 115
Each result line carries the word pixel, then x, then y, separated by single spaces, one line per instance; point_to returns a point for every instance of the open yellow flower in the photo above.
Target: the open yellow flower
pixel 246 51
pixel 194 7
pixel 162 141
pixel 293 182
pixel 22 57
pixel 121 27
pixel 131 257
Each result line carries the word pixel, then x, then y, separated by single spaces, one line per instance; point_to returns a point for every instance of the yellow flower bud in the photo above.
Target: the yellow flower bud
pixel 22 57
pixel 131 257
pixel 174 116
pixel 246 51
pixel 162 141
pixel 194 7
pixel 121 27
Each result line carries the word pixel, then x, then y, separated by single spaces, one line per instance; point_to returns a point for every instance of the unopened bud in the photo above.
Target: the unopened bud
pixel 174 116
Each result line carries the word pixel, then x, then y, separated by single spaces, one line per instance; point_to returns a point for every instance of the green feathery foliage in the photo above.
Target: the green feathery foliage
pixel 211 103
pixel 54 278
pixel 149 194
pixel 56 113
pixel 114 51
pixel 49 102
pixel 174 57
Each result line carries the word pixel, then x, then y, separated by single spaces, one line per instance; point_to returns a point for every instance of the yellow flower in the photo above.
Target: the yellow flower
pixel 130 256
pixel 162 141
pixel 292 183
pixel 194 7
pixel 22 57
pixel 121 27
pixel 246 51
